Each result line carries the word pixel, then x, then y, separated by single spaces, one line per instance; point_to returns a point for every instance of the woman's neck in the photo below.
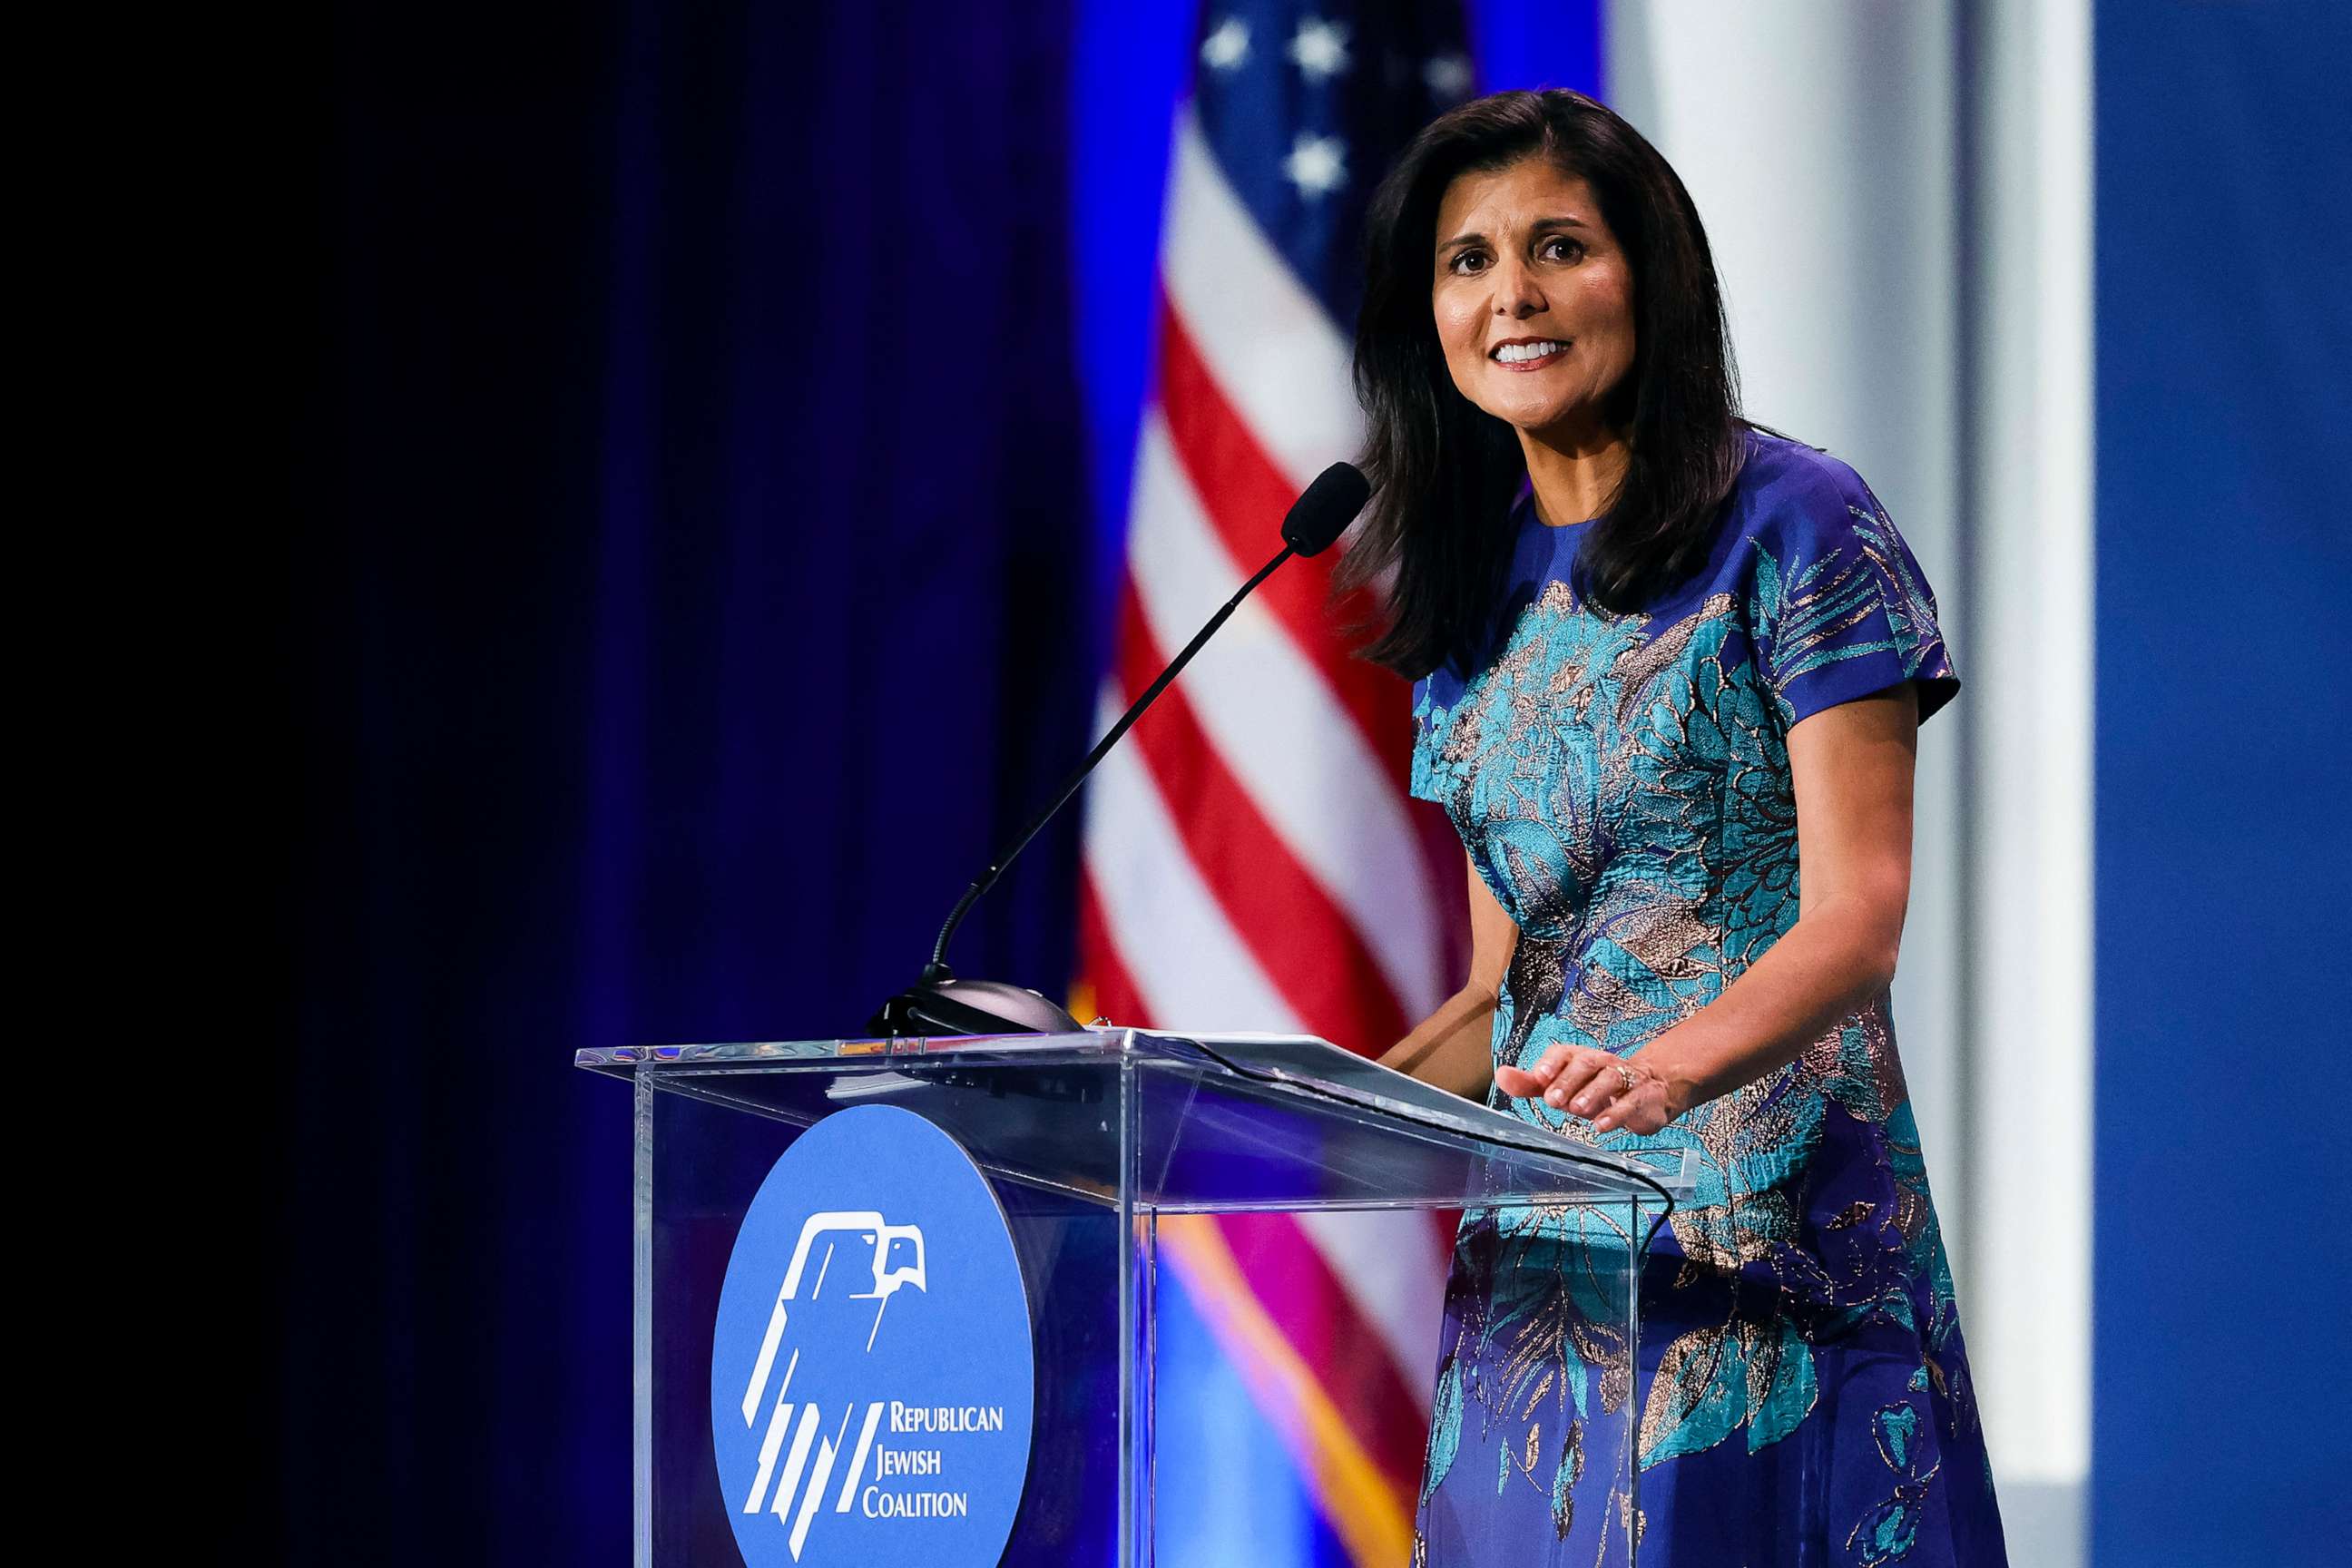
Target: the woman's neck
pixel 1575 476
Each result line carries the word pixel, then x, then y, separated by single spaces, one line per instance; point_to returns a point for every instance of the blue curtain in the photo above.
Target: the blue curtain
pixel 691 594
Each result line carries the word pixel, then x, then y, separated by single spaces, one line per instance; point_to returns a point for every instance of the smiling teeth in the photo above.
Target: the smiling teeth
pixel 1519 353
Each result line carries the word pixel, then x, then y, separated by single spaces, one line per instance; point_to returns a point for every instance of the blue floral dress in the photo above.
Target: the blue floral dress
pixel 1622 784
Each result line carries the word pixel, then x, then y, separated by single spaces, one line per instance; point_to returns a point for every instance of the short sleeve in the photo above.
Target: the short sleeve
pixel 1839 608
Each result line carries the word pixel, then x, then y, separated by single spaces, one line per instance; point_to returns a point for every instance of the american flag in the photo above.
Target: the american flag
pixel 1252 860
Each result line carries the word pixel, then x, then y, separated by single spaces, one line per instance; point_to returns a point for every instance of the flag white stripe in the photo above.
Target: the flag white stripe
pixel 1276 725
pixel 1172 936
pixel 1272 352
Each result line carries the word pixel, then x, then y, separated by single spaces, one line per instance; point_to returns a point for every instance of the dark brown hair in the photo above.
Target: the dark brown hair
pixel 1447 471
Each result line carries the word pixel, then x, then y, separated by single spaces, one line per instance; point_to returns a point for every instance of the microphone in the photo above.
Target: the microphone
pixel 1320 516
pixel 939 1002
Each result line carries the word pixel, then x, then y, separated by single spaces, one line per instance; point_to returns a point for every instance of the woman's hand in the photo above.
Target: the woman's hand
pixel 1610 1091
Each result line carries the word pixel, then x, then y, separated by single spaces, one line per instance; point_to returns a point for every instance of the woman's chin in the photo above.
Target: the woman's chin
pixel 1577 428
pixel 1529 417
pixel 1552 418
pixel 1535 411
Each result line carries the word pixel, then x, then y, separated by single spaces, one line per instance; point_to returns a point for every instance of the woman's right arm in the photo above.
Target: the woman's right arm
pixel 1454 1047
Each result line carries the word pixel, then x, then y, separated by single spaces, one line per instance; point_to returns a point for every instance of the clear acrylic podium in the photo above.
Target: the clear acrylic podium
pixel 1087 1139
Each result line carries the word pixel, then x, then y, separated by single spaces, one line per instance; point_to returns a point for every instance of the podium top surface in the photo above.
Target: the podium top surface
pixel 1174 1123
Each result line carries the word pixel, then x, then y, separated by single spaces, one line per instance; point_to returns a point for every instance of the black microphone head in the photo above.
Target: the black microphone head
pixel 1324 513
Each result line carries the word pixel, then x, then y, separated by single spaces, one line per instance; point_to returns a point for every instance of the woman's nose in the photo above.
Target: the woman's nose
pixel 1516 294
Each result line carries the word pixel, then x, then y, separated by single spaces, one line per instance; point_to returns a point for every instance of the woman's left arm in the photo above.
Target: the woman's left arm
pixel 1851 767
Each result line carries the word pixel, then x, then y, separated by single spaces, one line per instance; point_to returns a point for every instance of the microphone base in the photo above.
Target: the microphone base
pixel 949 1007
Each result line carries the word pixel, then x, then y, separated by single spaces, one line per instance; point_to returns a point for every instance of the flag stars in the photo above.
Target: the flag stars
pixel 1317 165
pixel 1227 48
pixel 1448 77
pixel 1320 48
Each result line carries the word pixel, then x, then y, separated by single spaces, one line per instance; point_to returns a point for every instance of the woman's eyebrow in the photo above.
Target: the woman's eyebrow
pixel 1459 241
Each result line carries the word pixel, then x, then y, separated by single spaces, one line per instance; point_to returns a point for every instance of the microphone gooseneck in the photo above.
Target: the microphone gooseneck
pixel 938 1002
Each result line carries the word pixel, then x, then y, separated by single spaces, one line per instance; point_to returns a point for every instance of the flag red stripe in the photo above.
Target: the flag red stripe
pixel 1299 936
pixel 1245 496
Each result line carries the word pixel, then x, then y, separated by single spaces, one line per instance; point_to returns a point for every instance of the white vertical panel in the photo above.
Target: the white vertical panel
pixel 2031 301
pixel 1826 144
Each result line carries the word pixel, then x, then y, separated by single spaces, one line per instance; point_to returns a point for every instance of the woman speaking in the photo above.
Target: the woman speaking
pixel 1666 659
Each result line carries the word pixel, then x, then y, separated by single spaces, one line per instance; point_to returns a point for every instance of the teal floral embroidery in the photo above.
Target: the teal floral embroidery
pixel 1888 1532
pixel 1444 1428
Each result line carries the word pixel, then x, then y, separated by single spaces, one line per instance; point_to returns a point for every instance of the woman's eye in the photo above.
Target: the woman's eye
pixel 1469 261
pixel 1562 248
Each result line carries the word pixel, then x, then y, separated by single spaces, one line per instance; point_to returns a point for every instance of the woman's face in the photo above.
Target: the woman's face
pixel 1533 297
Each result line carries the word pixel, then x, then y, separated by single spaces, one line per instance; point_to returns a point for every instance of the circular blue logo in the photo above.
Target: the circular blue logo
pixel 871 1378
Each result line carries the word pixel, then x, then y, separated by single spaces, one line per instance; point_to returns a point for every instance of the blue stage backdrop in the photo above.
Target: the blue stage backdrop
pixel 2224 325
